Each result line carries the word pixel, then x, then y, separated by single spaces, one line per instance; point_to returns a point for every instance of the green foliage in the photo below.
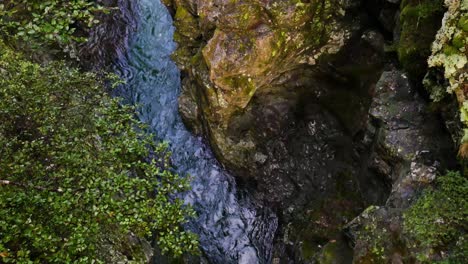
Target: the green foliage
pixel 46 22
pixel 437 221
pixel 76 168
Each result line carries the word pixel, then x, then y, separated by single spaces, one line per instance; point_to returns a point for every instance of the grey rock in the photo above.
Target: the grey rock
pixel 410 149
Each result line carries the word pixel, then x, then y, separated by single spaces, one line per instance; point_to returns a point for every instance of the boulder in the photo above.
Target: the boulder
pixel 410 150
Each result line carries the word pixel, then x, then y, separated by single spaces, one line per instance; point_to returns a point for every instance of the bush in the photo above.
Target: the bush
pixel 77 167
pixel 44 23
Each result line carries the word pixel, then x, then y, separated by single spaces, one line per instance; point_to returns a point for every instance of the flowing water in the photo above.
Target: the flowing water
pixel 230 227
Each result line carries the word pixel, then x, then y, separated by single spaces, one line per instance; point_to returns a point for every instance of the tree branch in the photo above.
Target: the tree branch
pixel 22 185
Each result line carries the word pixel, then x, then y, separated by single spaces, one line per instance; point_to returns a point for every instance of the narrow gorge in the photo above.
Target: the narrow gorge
pixel 316 112
pixel 234 131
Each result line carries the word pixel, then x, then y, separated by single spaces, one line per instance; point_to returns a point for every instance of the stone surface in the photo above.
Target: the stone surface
pixel 281 89
pixel 273 83
pixel 410 151
pixel 286 92
pixel 418 21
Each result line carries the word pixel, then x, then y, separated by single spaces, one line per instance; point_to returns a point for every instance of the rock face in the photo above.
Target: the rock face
pixel 419 22
pixel 280 88
pixel 410 149
pixel 449 59
pixel 288 95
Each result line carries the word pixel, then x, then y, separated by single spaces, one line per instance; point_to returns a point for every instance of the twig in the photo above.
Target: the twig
pixel 22 185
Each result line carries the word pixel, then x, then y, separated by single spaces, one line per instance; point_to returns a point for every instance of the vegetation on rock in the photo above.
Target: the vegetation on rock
pixel 419 21
pixel 449 52
pixel 437 224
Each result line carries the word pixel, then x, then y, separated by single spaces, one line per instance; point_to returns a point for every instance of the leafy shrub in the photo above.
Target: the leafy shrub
pixel 77 167
pixel 46 22
pixel 437 221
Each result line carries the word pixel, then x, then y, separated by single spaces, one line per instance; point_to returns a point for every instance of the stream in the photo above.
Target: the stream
pixel 231 228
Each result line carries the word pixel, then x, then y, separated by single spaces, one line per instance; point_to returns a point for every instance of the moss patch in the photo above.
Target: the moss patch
pixel 437 221
pixel 420 20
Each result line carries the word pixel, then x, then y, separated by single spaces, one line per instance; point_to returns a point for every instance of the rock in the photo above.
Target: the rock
pixel 388 17
pixel 407 133
pixel 384 12
pixel 450 58
pixel 115 248
pixel 249 67
pixel 282 89
pixel 419 22
pixel 112 33
pixel 376 236
pixel 411 149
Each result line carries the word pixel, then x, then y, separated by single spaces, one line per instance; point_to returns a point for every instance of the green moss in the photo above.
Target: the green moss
pixel 185 22
pixel 324 218
pixel 182 13
pixel 329 253
pixel 459 40
pixel 375 237
pixel 419 22
pixel 308 249
pixel 450 50
pixel 336 251
pixel 424 9
pixel 463 23
pixel 437 221
pixel 245 85
pixel 247 15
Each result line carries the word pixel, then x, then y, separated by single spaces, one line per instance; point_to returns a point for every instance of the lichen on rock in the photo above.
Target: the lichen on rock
pixel 449 52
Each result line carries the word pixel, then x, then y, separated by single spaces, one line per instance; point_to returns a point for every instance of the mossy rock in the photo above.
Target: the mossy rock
pixel 460 39
pixel 336 252
pixel 463 23
pixel 436 224
pixel 319 228
pixel 420 20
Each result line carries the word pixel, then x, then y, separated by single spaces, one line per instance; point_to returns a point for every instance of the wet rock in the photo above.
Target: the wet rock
pixel 282 89
pixel 286 92
pixel 410 150
pixel 384 13
pixel 109 39
pixel 254 73
pixel 388 17
pixel 419 22
pixel 408 132
pixel 124 249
